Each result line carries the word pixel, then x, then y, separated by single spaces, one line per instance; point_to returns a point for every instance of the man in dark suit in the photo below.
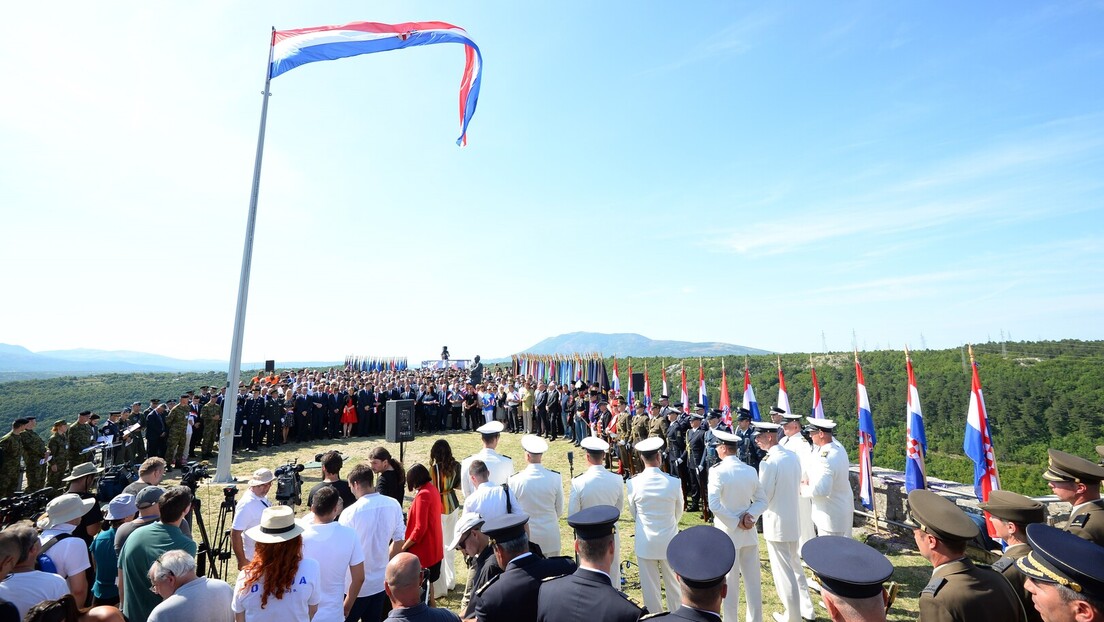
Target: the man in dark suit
pixel 587 594
pixel 303 408
pixel 700 556
pixel 155 431
pixel 366 409
pixel 540 407
pixel 512 595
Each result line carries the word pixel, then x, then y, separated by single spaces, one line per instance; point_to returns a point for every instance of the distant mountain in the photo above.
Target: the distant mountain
pixel 632 344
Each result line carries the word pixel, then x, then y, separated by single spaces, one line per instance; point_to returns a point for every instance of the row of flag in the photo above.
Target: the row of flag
pixel 565 368
pixel 376 363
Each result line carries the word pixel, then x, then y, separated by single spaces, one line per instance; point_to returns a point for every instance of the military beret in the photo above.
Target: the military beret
pixel 594 522
pixel 85 413
pixel 1062 558
pixel 32 417
pixel 61 422
pixel 506 527
pixel 940 517
pixel 1014 507
pixel 846 567
pixel 701 556
pixel 1063 467
pixel 18 422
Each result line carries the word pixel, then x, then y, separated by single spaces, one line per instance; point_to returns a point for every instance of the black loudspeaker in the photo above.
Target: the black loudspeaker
pixel 637 382
pixel 270 366
pixel 400 421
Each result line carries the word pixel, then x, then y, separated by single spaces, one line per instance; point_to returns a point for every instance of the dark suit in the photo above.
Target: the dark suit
pixel 584 596
pixel 688 614
pixel 540 408
pixel 155 427
pixel 512 595
pixel 303 408
pixel 366 410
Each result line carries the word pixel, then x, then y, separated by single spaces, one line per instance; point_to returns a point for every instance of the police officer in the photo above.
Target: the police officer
pixel 746 449
pixel 1011 514
pixel 598 486
pixel 958 591
pixel 851 577
pixel 34 455
pixel 829 486
pixel 701 556
pixel 1065 575
pixel 512 595
pixel 1077 482
pixel 587 594
pixel 81 436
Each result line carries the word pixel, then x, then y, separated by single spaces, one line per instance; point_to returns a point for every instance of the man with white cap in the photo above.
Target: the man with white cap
pixel 736 499
pixel 501 467
pixel 793 440
pixel 828 481
pixel 539 492
pixel 656 503
pixel 247 514
pixel 780 478
pixel 475 546
pixel 598 486
pixel 68 554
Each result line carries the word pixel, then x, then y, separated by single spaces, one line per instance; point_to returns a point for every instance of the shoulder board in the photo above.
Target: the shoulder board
pixel 559 576
pixel 505 456
pixel 486 585
pixel 653 616
pixel 824 453
pixel 634 603
pixel 554 471
pixel 1003 563
pixel 933 586
pixel 1080 520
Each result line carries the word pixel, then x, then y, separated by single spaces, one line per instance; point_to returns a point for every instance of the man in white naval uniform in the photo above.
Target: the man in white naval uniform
pixel 780 477
pixel 655 501
pixel 736 500
pixel 795 442
pixel 501 467
pixel 833 499
pixel 598 486
pixel 539 492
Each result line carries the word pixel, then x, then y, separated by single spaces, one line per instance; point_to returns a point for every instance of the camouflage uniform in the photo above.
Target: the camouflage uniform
pixel 211 415
pixel 12 450
pixel 34 452
pixel 80 438
pixel 177 424
pixel 59 461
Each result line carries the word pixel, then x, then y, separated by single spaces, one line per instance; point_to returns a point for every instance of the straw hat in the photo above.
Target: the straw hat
pixel 261 477
pixel 65 508
pixel 83 470
pixel 277 525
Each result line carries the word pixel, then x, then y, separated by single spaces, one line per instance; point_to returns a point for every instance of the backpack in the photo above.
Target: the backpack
pixel 43 562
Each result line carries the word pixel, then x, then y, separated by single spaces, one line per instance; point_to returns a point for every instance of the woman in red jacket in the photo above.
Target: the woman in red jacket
pixel 423 525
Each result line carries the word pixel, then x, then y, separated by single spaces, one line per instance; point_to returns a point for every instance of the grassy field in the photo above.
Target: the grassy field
pixel 912 571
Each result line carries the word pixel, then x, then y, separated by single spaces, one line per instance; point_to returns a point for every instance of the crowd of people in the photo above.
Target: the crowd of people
pixel 386 540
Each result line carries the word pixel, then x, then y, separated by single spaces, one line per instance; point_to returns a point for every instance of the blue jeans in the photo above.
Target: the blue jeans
pixel 580 430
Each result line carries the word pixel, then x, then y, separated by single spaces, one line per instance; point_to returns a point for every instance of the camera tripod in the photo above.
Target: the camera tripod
pixel 213 562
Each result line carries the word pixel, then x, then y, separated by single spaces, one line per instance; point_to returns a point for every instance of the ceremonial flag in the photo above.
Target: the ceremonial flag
pixel 867 439
pixel 647 388
pixel 726 403
pixel 603 377
pixel 630 397
pixel 818 406
pixel 685 397
pixel 291 48
pixel 978 444
pixel 783 396
pixel 663 377
pixel 916 442
pixel 750 404
pixel 615 382
pixel 703 395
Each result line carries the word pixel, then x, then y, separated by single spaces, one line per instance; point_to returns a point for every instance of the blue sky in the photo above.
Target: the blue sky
pixel 755 173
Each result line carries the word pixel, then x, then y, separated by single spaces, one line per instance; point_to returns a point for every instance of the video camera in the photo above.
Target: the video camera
pixel 289 484
pixel 114 480
pixel 194 473
pixel 25 505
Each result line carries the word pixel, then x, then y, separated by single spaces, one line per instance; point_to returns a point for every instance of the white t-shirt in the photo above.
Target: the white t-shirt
pixel 335 548
pixel 27 589
pixel 247 515
pixel 70 555
pixel 305 590
pixel 377 521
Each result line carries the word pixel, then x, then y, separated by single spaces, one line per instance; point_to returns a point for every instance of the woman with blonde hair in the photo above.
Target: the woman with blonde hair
pixel 278 584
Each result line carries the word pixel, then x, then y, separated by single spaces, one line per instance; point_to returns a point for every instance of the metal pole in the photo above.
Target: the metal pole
pixel 230 404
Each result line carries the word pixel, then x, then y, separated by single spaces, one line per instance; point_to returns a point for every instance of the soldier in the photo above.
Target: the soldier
pixel 701 556
pixel 695 448
pixel 11 450
pixel 795 441
pixel 80 438
pixel 1077 482
pixel 34 455
pixel 597 486
pixel 746 450
pixel 1011 514
pixel 959 590
pixel 708 459
pixel 639 433
pixel 851 577
pixel 677 456
pixel 211 415
pixel 828 483
pixel 539 492
pixel 1065 575
pixel 58 445
pixel 587 594
pixel 176 424
pixel 656 504
pixel 777 414
pixel 500 466
pixel 657 424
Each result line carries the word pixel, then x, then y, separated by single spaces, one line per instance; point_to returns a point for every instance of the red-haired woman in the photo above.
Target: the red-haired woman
pixel 278 584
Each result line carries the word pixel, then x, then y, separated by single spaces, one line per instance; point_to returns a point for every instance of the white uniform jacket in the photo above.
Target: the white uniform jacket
pixel 833 500
pixel 734 490
pixel 539 492
pixel 501 468
pixel 655 501
pixel 780 477
pixel 596 486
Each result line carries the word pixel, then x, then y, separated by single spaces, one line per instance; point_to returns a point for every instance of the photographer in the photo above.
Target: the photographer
pixel 331 476
pixel 247 514
pixel 81 481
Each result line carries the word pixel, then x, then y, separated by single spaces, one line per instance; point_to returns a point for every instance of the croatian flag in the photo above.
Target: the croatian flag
pixel 750 404
pixel 615 383
pixel 685 397
pixel 867 440
pixel 726 403
pixel 703 395
pixel 630 398
pixel 647 388
pixel 978 444
pixel 818 405
pixel 291 48
pixel 783 396
pixel 916 476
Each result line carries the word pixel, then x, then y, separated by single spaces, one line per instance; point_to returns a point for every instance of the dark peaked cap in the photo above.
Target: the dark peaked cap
pixel 594 522
pixel 505 528
pixel 847 567
pixel 1063 467
pixel 940 517
pixel 701 555
pixel 1062 558
pixel 1014 507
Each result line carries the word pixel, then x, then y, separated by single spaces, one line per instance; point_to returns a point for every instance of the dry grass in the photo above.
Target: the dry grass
pixel 912 571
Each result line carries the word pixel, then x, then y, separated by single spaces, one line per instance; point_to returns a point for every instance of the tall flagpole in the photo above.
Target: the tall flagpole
pixel 230 402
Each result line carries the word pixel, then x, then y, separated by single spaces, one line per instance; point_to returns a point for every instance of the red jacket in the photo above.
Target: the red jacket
pixel 423 526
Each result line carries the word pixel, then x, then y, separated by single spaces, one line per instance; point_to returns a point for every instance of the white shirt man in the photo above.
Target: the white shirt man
pixel 736 500
pixel 378 523
pixel 247 514
pixel 656 503
pixel 792 440
pixel 829 484
pixel 501 467
pixel 338 552
pixel 489 500
pixel 539 492
pixel 70 553
pixel 598 486
pixel 780 478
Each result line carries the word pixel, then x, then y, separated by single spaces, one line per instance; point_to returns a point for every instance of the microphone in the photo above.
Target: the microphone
pixel 571 458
